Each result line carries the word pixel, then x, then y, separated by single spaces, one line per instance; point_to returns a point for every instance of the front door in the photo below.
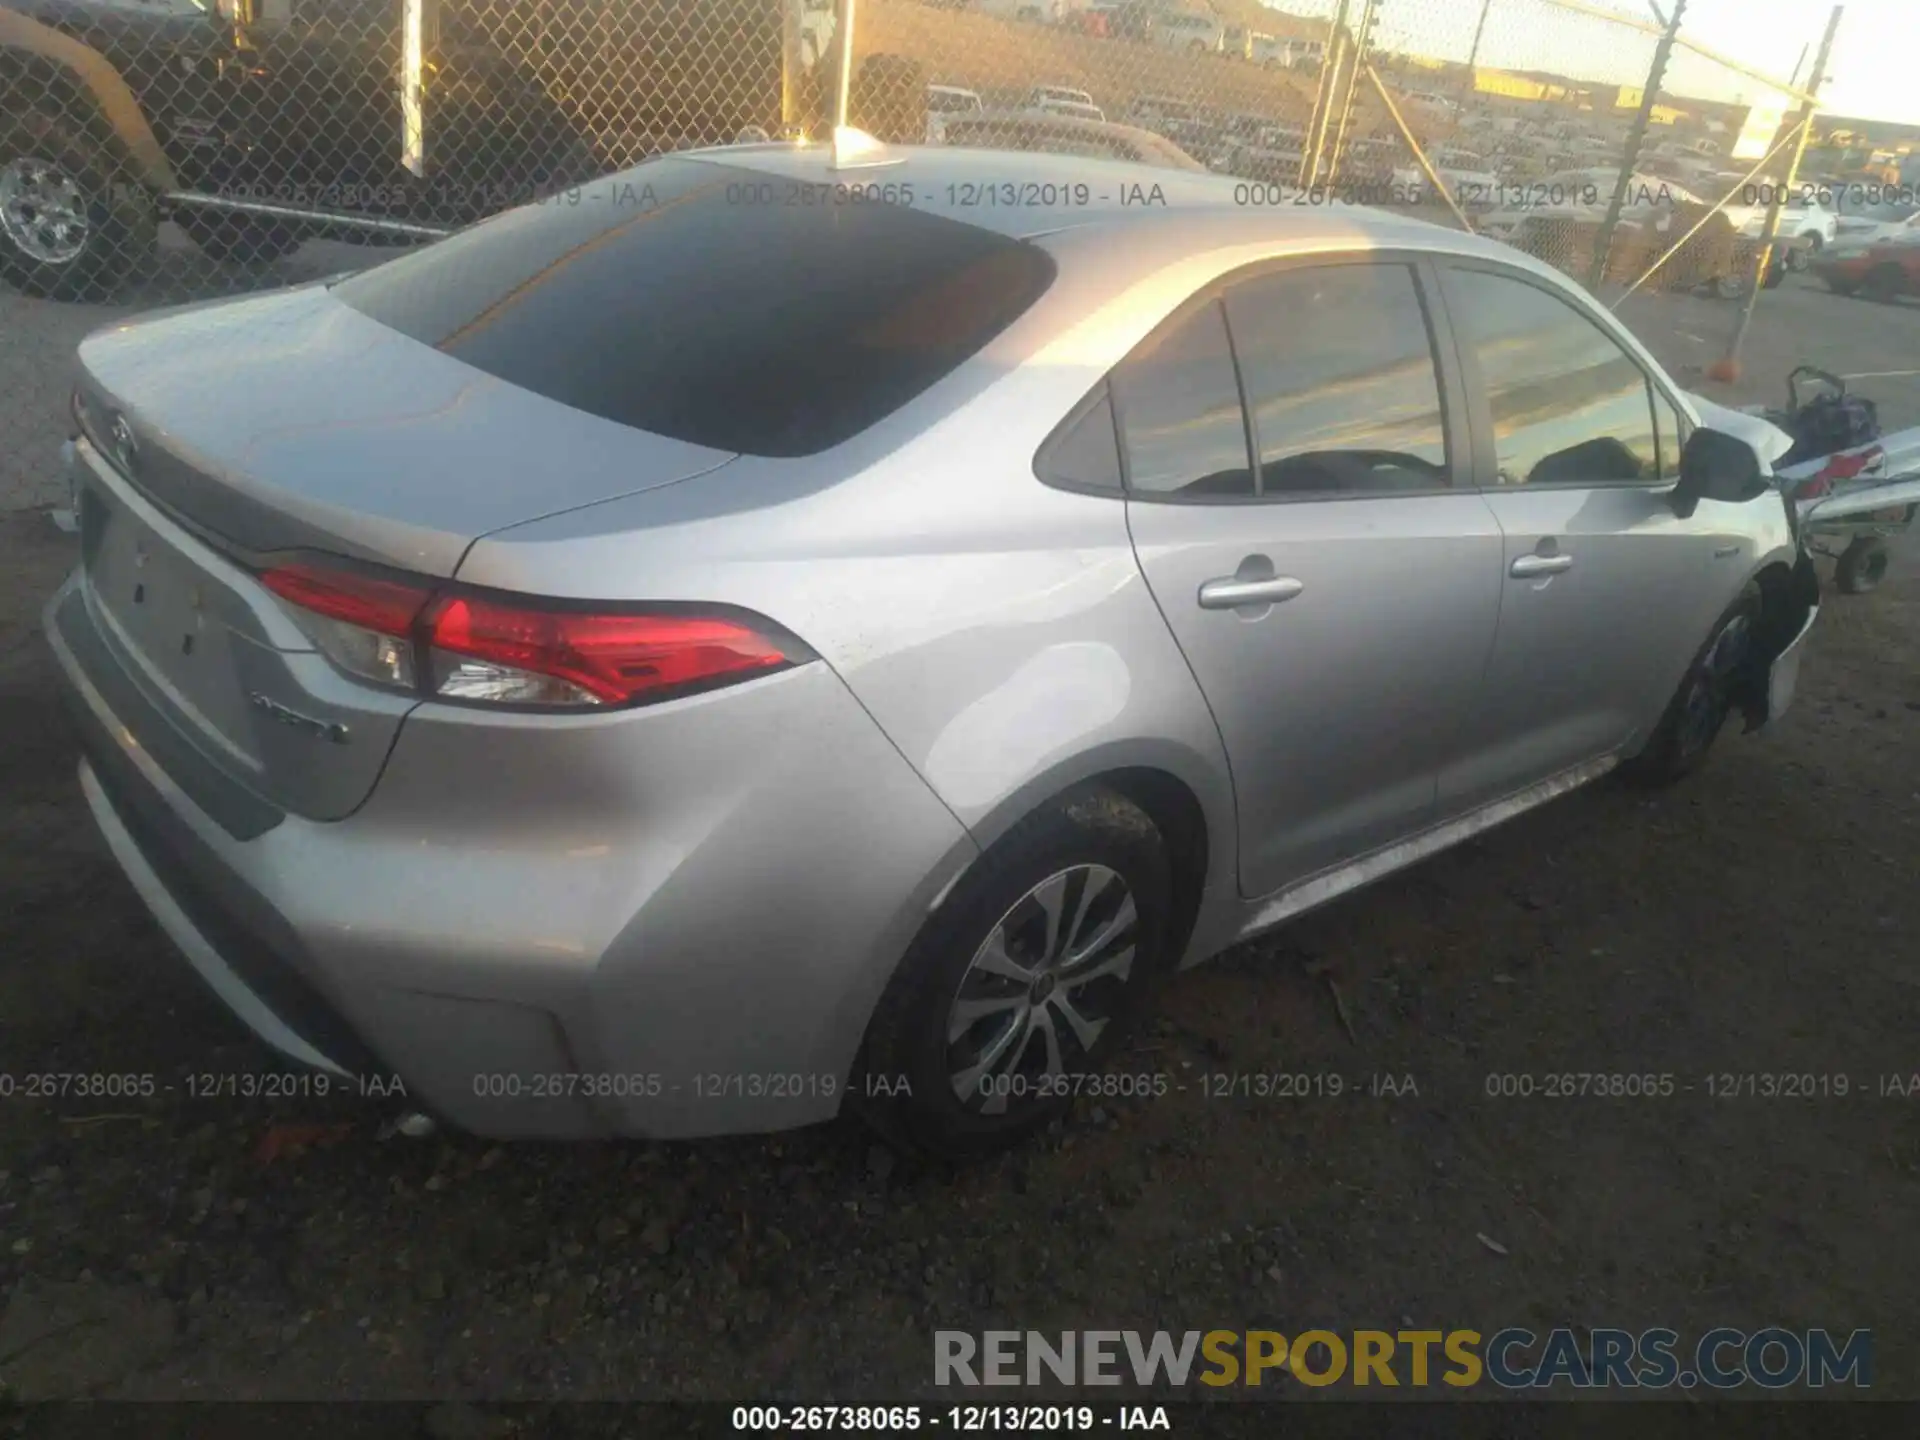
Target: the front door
pixel 1601 583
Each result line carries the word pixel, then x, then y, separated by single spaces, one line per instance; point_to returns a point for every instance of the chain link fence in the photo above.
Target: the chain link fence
pixel 160 150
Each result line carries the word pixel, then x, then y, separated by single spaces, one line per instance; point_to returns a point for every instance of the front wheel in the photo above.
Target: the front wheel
pixel 1022 984
pixel 1861 567
pixel 1700 707
pixel 63 236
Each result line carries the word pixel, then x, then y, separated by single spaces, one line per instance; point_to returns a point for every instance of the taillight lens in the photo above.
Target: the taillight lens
pixel 498 649
pixel 364 624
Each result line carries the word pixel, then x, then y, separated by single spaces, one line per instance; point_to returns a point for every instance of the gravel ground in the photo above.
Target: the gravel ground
pixel 1759 919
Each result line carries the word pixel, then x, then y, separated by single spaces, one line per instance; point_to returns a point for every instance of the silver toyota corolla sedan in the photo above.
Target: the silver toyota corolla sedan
pixel 753 638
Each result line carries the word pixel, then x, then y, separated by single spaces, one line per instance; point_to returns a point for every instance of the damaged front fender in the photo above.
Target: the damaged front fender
pixel 1772 672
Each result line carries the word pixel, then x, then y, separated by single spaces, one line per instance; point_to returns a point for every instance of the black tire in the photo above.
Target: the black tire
pixel 238 239
pixel 117 235
pixel 908 1037
pixel 1706 696
pixel 1841 287
pixel 1862 566
pixel 1885 283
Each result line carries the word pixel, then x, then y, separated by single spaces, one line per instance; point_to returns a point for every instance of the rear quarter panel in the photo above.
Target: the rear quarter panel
pixel 998 630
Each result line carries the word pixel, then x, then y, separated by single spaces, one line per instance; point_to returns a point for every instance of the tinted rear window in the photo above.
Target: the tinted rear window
pixel 704 302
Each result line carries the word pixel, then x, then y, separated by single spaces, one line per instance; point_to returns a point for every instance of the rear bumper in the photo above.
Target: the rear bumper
pixel 623 926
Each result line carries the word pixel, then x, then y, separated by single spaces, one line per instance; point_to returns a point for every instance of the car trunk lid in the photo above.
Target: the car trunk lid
pixel 209 449
pixel 295 422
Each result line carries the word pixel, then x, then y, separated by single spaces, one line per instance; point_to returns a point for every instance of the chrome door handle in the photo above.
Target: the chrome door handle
pixel 1726 552
pixel 1230 592
pixel 1529 566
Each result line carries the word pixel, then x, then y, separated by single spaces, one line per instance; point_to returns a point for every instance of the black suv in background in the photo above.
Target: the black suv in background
pixel 116 114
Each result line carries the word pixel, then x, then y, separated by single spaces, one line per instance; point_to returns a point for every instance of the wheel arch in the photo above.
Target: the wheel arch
pixel 1789 592
pixel 75 86
pixel 1194 815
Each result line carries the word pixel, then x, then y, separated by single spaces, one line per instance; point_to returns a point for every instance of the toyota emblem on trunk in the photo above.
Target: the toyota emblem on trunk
pixel 126 450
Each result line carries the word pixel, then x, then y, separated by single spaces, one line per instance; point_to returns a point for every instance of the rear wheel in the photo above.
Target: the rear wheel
pixel 1700 707
pixel 62 234
pixel 1025 979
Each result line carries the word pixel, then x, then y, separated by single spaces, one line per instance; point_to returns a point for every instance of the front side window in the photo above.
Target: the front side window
pixel 1181 421
pixel 1341 381
pixel 1569 406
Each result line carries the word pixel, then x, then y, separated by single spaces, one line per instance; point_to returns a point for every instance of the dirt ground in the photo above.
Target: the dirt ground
pixel 1760 919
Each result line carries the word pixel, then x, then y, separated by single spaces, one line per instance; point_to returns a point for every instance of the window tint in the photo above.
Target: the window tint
pixel 1085 455
pixel 679 297
pixel 1340 378
pixel 1180 416
pixel 1569 406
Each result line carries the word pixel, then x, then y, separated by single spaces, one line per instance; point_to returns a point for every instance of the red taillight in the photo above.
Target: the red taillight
pixel 388 606
pixel 498 649
pixel 615 658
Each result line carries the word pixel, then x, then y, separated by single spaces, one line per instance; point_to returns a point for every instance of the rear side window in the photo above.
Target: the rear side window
pixel 684 298
pixel 1341 381
pixel 1181 422
pixel 1085 453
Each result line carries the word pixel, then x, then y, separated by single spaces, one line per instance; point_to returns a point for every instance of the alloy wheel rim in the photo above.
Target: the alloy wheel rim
pixel 43 210
pixel 1711 690
pixel 1872 570
pixel 1041 989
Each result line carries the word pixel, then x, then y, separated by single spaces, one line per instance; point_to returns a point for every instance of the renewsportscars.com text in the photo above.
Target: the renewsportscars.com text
pixel 1513 1359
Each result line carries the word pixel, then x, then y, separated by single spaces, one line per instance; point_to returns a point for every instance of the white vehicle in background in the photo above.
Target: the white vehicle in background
pixel 1184 30
pixel 1873 220
pixel 1150 112
pixel 1269 51
pixel 1067 135
pixel 1071 109
pixel 1041 96
pixel 1466 174
pixel 1272 156
pixel 944 101
pixel 1804 217
pixel 1583 194
pixel 1040 12
pixel 1306 54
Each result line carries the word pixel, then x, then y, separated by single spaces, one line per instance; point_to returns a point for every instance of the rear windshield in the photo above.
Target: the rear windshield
pixel 713 303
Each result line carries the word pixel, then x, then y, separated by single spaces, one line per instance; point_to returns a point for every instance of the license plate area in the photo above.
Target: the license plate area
pixel 164 611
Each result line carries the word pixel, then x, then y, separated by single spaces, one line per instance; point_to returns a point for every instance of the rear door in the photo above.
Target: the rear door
pixel 1605 592
pixel 1336 599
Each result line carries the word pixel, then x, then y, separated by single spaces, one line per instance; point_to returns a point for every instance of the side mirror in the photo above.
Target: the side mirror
pixel 1716 466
